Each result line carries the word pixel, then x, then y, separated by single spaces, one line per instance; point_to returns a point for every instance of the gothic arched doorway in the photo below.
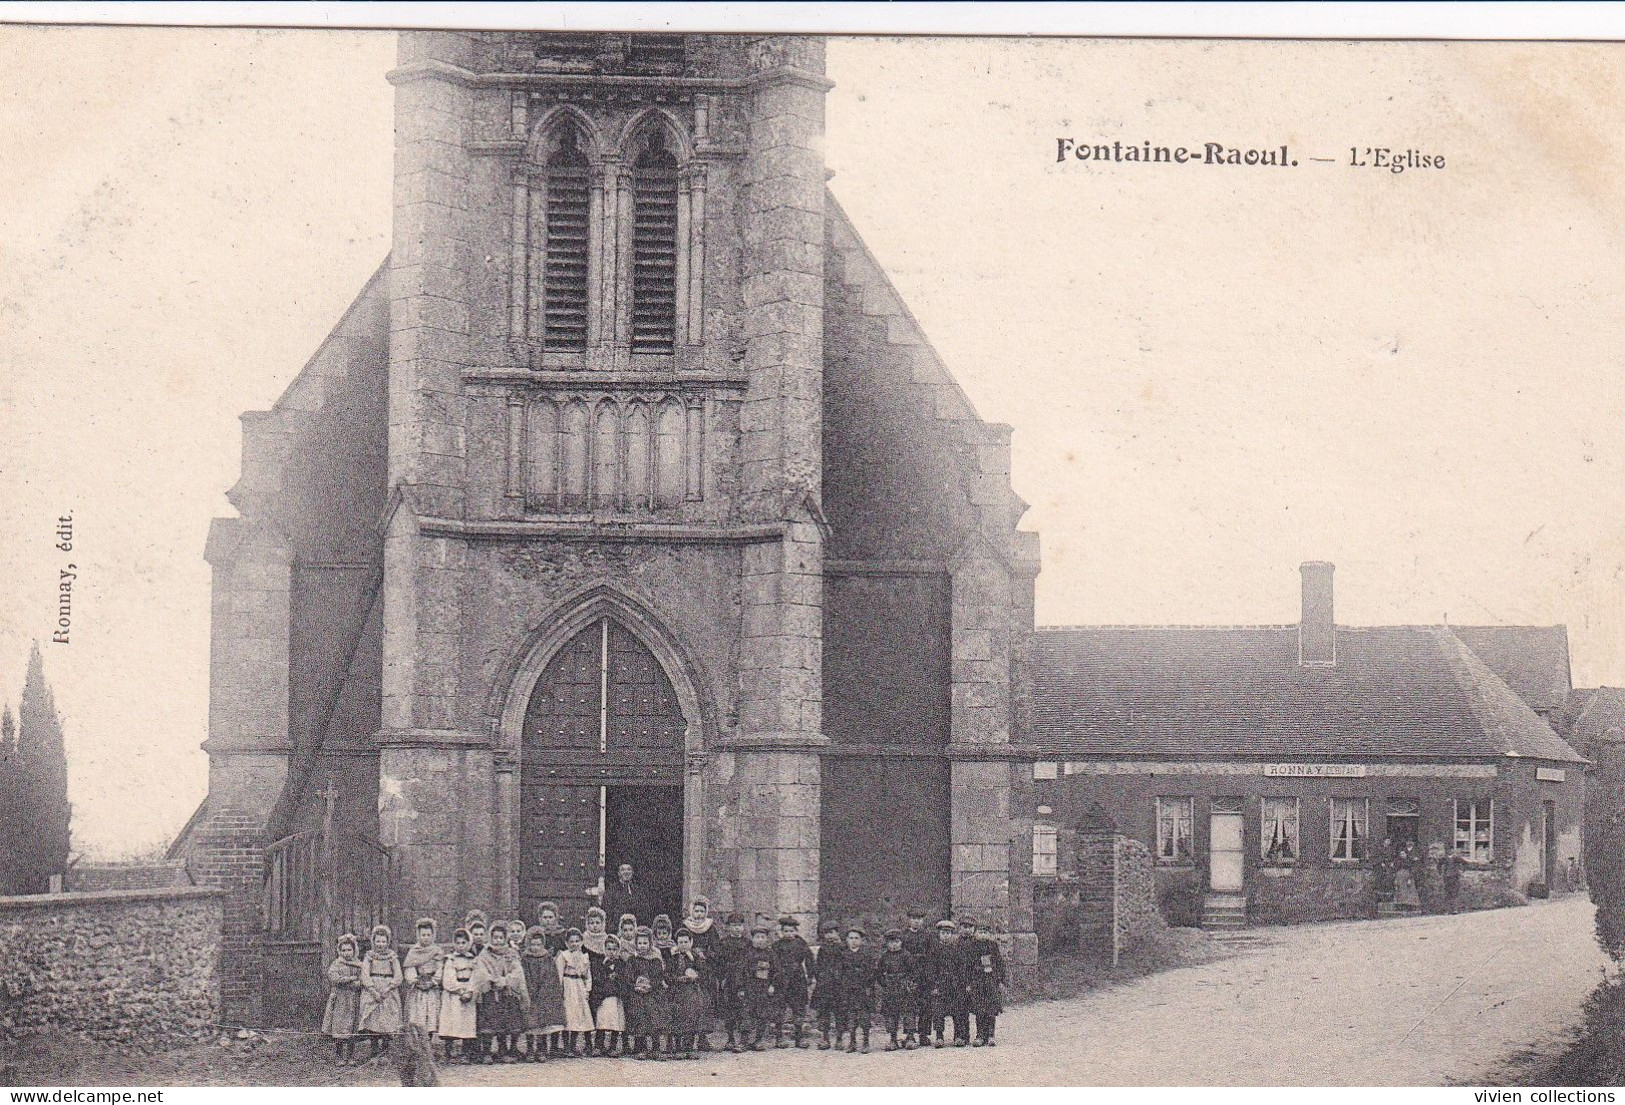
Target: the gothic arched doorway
pixel 601 774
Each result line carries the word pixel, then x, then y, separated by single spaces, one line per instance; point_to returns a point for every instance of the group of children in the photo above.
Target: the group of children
pixel 504 992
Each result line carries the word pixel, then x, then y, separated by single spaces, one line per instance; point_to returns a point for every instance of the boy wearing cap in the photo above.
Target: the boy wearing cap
pixel 987 980
pixel 826 985
pixel 726 962
pixel 856 1003
pixel 945 987
pixel 758 997
pixel 792 977
pixel 918 941
pixel 897 978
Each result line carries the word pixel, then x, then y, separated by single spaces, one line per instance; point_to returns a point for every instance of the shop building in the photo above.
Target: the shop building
pixel 1273 770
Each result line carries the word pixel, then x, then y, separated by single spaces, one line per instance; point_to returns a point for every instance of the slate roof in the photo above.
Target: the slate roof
pixel 1395 691
pixel 1531 659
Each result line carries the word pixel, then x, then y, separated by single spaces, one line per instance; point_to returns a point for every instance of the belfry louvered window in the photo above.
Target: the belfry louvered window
pixel 654 248
pixel 564 310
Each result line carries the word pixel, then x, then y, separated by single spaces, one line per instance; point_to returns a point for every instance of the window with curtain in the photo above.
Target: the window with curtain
pixel 1174 830
pixel 1475 830
pixel 1349 816
pixel 1278 836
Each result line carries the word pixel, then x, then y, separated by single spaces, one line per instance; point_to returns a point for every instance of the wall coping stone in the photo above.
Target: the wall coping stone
pixel 106 897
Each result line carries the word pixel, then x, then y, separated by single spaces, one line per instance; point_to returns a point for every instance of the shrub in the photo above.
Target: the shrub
pixel 1538 889
pixel 1181 904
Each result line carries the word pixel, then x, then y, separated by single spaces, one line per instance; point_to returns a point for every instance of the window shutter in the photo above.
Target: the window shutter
pixel 654 249
pixel 565 276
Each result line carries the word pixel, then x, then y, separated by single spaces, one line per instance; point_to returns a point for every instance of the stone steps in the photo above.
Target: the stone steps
pixel 1224 911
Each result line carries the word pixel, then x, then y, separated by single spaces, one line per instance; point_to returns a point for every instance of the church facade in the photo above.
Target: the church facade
pixel 626 516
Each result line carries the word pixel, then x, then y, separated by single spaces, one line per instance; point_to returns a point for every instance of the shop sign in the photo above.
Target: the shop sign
pixel 1551 774
pixel 1316 771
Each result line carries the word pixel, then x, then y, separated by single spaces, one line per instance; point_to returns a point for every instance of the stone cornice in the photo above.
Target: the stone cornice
pixel 432 738
pixel 501 530
pixel 773 742
pixel 590 380
pixel 837 567
pixel 434 70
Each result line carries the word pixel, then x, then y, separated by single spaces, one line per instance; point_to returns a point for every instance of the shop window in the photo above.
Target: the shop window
pixel 1475 830
pixel 1349 822
pixel 1278 836
pixel 1174 816
pixel 1046 850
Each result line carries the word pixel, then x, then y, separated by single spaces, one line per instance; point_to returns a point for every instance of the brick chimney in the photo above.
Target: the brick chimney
pixel 1317 635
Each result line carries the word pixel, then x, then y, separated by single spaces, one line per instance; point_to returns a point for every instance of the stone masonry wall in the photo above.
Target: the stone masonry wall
pixel 1138 918
pixel 137 968
pixel 1105 901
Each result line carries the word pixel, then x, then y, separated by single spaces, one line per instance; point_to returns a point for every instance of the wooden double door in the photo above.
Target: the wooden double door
pixel 601 775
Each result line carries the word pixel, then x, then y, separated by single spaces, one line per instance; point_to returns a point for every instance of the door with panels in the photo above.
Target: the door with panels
pixel 601 774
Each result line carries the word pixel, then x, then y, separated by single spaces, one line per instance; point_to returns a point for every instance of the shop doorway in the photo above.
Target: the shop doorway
pixel 1403 828
pixel 1225 848
pixel 1548 842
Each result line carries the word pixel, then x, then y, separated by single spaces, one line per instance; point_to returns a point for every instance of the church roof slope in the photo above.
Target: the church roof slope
pixel 1394 692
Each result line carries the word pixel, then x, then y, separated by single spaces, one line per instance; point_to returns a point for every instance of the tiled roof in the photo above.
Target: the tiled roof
pixel 1240 692
pixel 1531 659
pixel 1598 718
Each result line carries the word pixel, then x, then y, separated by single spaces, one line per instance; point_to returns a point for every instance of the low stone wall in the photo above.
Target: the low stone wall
pixel 138 968
pixel 93 878
pixel 1286 895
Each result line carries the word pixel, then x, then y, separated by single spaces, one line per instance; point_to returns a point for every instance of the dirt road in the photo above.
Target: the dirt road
pixel 1418 1001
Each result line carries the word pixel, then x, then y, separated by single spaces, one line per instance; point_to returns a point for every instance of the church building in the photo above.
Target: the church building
pixel 626 516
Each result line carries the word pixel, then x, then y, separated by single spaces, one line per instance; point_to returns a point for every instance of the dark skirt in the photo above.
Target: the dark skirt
pixel 687 1008
pixel 647 1014
pixel 499 1014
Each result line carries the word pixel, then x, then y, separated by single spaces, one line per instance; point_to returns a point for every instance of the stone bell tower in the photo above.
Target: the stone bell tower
pixel 602 567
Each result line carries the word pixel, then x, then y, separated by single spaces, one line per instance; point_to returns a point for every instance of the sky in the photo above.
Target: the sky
pixel 1214 373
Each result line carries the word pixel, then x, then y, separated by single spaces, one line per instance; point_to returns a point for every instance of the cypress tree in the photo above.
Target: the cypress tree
pixel 43 808
pixel 10 795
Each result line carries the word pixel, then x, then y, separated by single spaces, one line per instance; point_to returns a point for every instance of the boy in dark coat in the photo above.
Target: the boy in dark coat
pixel 944 979
pixel 856 1003
pixel 826 985
pixel 987 978
pixel 792 977
pixel 918 940
pixel 897 979
pixel 758 996
pixel 726 962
